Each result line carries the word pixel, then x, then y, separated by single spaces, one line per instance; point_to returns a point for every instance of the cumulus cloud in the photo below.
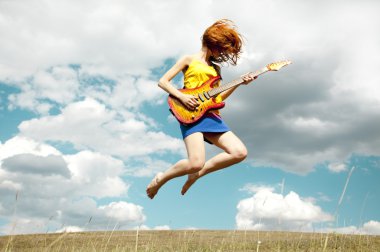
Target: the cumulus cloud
pixel 372 227
pixel 111 35
pixel 99 175
pixel 57 191
pixel 267 210
pixel 20 145
pixel 123 211
pixel 89 124
pixel 324 106
pixel 29 163
pixel 369 228
pixel 86 83
pixel 58 84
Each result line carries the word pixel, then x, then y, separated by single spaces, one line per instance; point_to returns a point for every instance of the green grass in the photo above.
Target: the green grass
pixel 190 240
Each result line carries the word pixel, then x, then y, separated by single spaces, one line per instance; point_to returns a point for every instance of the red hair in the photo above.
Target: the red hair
pixel 224 41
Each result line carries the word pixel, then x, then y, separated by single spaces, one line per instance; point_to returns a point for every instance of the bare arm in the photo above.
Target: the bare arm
pixel 247 79
pixel 164 83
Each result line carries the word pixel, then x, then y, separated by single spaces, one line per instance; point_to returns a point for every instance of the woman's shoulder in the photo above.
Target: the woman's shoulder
pixel 186 59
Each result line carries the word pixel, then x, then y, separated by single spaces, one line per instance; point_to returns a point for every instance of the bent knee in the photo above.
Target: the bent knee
pixel 239 154
pixel 195 165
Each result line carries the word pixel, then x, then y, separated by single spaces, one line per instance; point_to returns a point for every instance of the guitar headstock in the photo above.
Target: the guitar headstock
pixel 275 66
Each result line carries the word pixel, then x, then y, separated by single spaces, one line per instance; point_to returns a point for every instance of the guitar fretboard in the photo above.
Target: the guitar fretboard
pixel 224 87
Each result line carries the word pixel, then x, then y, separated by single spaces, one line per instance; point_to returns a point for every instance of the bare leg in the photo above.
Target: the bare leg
pixel 196 160
pixel 235 152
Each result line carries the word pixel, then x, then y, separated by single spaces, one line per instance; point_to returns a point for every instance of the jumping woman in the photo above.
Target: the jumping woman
pixel 221 43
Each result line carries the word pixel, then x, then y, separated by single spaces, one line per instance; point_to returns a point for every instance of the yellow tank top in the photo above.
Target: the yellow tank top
pixel 198 73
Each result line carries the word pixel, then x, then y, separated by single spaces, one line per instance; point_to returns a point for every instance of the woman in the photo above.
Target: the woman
pixel 221 43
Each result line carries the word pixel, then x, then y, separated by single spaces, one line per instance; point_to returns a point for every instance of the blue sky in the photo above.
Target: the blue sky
pixel 84 127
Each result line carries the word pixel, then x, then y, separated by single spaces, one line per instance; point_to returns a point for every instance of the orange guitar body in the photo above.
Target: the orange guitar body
pixel 206 102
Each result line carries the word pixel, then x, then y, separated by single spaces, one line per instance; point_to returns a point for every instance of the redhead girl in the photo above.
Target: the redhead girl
pixel 221 43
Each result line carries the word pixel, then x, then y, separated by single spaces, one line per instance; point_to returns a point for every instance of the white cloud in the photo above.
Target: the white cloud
pixel 107 33
pixel 147 167
pixel 98 175
pixel 9 185
pixel 190 228
pixel 251 188
pixel 70 229
pixel 29 163
pixel 337 167
pixel 369 228
pixel 55 190
pixel 25 226
pixel 267 210
pixel 163 227
pixel 88 124
pixel 19 145
pixel 131 93
pixel 145 227
pixel 124 211
pixel 58 84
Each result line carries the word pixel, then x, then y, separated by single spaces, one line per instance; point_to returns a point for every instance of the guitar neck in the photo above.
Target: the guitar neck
pixel 234 83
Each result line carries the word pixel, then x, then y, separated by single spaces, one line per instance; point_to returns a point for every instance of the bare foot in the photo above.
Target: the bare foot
pixel 154 185
pixel 190 181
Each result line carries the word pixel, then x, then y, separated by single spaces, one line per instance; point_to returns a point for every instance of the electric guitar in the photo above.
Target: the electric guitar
pixel 207 93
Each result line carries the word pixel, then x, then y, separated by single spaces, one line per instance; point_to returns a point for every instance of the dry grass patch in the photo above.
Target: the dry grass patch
pixel 190 240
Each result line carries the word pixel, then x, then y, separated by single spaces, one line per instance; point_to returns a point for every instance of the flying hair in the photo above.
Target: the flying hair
pixel 223 40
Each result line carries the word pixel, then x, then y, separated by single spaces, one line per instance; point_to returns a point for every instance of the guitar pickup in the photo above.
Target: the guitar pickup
pixel 206 95
pixel 200 97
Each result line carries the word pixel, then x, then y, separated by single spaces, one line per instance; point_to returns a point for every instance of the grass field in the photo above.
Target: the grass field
pixel 190 240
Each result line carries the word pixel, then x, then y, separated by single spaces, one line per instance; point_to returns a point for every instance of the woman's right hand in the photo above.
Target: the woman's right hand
pixel 190 101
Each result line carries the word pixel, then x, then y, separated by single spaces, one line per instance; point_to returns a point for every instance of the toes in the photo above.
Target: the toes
pixel 152 188
pixel 183 191
pixel 150 194
pixel 185 187
pixel 190 181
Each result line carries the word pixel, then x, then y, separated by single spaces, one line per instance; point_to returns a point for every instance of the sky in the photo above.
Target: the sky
pixel 84 126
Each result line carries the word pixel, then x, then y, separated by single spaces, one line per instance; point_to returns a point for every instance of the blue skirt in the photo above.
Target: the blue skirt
pixel 210 123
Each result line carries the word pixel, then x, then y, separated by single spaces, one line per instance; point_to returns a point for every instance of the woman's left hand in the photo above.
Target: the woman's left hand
pixel 248 78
